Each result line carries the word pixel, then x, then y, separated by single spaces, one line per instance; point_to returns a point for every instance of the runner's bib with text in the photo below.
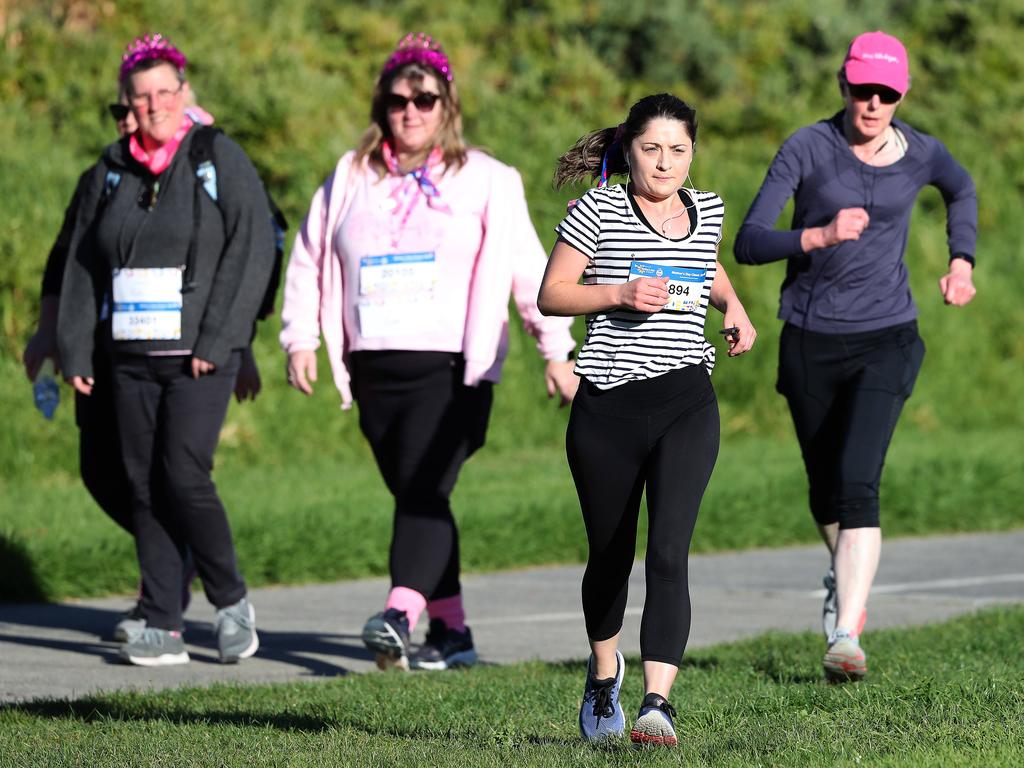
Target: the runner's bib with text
pixel 684 285
pixel 397 294
pixel 147 304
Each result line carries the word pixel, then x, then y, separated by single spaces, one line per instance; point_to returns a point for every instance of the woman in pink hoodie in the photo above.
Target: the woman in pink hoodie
pixel 404 264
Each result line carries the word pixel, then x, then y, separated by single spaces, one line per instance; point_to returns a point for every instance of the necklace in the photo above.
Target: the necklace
pixel 666 222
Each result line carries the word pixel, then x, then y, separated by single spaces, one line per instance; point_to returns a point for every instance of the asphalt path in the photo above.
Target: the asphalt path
pixel 312 632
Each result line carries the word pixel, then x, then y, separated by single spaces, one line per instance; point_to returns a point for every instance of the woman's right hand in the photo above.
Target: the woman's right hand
pixel 302 370
pixel 645 294
pixel 82 384
pixel 848 224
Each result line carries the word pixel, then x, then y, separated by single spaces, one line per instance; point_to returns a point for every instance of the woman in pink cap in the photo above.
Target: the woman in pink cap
pixel 850 350
pixel 405 264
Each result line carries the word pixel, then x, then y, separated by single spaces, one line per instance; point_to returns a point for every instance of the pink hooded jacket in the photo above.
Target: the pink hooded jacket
pixel 509 259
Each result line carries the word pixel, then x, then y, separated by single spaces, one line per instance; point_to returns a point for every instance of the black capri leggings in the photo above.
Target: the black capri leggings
pixel 846 392
pixel 662 434
pixel 422 423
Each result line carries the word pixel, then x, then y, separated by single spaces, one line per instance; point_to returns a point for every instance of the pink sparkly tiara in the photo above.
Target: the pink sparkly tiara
pixel 151 47
pixel 419 48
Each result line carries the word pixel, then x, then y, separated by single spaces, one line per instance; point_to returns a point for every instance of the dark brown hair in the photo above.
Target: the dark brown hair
pixel 583 160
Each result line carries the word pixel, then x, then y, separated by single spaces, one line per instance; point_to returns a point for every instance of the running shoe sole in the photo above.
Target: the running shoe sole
pixel 844 667
pixel 163 660
pixel 460 659
pixel 381 637
pixel 652 729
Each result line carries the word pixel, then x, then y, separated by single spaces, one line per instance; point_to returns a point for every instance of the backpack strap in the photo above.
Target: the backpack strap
pixel 110 185
pixel 200 155
pixel 204 165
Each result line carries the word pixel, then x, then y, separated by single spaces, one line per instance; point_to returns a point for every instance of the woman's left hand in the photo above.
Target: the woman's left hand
pixel 201 367
pixel 957 286
pixel 561 380
pixel 247 382
pixel 743 339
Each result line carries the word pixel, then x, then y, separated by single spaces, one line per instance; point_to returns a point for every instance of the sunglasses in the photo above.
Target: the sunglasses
pixel 118 111
pixel 424 102
pixel 866 92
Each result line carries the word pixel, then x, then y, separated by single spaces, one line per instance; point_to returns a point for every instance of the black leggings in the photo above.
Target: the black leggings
pixel 662 434
pixel 846 392
pixel 422 424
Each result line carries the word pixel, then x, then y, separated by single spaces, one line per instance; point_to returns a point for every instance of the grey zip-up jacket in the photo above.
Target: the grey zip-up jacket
pixel 233 260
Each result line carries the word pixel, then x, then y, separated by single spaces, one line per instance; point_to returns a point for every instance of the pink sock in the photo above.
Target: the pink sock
pixel 449 610
pixel 408 600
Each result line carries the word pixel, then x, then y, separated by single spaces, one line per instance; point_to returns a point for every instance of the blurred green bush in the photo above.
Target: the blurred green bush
pixel 291 82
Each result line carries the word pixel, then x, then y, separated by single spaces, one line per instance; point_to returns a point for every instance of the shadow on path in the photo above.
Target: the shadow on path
pixel 298 649
pixel 18 580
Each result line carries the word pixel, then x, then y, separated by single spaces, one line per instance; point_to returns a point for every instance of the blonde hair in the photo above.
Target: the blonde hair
pixel 449 137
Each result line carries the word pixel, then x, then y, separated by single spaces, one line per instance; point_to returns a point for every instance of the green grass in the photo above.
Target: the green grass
pixel 330 518
pixel 946 695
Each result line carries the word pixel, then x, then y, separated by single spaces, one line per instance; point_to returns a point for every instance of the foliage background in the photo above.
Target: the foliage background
pixel 291 82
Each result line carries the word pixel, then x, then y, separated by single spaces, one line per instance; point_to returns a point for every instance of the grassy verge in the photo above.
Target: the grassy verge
pixel 330 519
pixel 949 695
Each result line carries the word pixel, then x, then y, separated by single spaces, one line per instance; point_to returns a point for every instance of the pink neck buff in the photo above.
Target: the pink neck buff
pixel 404 197
pixel 157 158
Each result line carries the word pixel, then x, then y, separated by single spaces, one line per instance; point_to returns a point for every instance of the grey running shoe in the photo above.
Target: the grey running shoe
pixel 132 622
pixel 845 661
pixel 654 723
pixel 236 632
pixel 387 635
pixel 444 648
pixel 152 647
pixel 830 610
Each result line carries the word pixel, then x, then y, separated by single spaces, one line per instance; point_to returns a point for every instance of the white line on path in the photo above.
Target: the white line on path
pixel 883 589
pixel 909 586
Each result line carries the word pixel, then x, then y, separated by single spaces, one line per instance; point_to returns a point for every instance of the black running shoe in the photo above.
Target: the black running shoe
pixel 387 635
pixel 444 648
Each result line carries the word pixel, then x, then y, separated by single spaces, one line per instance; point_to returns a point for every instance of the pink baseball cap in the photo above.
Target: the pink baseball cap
pixel 879 59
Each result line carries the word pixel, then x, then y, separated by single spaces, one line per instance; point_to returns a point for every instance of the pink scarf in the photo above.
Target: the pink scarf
pixel 404 195
pixel 160 157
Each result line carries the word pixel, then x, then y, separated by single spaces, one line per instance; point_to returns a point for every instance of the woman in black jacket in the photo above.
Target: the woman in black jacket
pixel 169 260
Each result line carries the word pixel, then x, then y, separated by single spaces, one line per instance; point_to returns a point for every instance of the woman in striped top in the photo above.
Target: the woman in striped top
pixel 645 415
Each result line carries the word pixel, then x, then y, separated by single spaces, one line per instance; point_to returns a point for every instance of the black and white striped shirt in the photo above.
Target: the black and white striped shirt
pixel 625 345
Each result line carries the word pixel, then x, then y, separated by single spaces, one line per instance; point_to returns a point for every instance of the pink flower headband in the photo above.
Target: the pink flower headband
pixel 150 47
pixel 419 48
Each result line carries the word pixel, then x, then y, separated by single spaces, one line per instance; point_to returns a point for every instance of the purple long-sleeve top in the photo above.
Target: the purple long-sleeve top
pixel 857 285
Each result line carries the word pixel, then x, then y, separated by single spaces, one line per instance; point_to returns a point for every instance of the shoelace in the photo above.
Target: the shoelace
pixel 602 695
pixel 658 702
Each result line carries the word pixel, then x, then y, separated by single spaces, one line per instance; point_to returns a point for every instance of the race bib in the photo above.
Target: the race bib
pixel 147 304
pixel 397 294
pixel 684 285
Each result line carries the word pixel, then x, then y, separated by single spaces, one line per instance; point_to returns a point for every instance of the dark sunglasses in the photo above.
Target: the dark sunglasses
pixel 424 102
pixel 118 111
pixel 865 92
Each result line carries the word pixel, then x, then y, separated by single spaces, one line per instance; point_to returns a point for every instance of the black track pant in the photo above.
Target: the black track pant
pixel 99 447
pixel 662 434
pixel 845 393
pixel 169 424
pixel 422 424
